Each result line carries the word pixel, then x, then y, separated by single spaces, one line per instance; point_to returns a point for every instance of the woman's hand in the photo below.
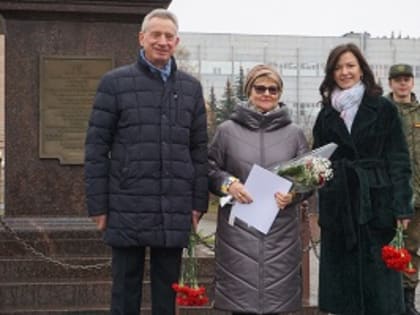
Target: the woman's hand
pixel 404 223
pixel 283 200
pixel 237 191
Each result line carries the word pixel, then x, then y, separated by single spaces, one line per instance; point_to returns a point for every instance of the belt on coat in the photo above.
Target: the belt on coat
pixel 363 169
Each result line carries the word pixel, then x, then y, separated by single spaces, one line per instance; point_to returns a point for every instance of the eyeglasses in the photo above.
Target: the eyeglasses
pixel 260 89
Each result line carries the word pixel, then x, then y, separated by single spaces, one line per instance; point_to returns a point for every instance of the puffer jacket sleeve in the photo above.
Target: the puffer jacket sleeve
pixel 99 137
pixel 217 173
pixel 198 149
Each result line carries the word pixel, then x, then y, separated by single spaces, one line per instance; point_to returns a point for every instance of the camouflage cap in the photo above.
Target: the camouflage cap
pixel 399 70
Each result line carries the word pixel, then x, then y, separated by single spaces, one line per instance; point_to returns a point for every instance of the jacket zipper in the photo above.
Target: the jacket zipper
pixel 261 241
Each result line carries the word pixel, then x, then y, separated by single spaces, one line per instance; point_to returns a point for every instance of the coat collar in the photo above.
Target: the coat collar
pixel 254 120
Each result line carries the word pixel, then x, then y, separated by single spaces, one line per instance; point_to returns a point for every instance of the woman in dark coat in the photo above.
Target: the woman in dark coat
pixel 369 194
pixel 256 273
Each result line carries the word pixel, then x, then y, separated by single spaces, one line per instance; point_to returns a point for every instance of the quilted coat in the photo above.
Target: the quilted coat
pixel 358 208
pixel 146 156
pixel 255 272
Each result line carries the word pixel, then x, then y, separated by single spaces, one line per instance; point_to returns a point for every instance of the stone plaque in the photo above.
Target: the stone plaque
pixel 67 88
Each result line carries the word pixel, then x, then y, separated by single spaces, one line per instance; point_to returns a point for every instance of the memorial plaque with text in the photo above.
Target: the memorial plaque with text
pixel 67 88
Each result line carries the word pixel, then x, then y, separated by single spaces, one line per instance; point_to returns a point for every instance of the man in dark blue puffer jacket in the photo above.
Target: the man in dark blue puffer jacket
pixel 146 166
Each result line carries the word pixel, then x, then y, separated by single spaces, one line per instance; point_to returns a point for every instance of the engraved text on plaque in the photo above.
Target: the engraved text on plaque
pixel 67 88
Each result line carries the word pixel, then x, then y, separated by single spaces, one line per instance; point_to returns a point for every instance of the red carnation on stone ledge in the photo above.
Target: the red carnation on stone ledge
pixel 189 293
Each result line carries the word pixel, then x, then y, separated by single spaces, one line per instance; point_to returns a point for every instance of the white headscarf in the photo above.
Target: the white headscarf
pixel 347 102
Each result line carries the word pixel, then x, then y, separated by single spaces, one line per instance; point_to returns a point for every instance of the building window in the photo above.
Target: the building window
pixel 417 71
pixel 217 70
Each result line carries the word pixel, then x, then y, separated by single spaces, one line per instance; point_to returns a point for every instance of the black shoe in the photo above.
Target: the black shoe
pixel 409 297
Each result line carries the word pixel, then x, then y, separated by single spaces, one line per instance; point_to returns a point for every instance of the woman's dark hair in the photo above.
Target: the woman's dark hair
pixel 328 84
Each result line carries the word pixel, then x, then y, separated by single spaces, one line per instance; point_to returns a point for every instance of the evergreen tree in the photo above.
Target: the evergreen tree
pixel 211 113
pixel 227 104
pixel 240 94
pixel 212 99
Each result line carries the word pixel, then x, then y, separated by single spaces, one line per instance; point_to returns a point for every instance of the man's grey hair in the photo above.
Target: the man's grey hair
pixel 159 13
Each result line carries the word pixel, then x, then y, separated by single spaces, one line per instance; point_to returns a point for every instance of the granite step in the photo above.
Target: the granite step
pixel 52 237
pixel 53 294
pixel 206 310
pixel 72 268
pixel 92 310
pixel 36 269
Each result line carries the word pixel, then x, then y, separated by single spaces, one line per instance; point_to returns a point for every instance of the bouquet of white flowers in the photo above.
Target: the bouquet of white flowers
pixel 310 171
pixel 307 172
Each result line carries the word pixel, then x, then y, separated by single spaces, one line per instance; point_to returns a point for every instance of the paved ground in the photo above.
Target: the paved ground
pixel 208 225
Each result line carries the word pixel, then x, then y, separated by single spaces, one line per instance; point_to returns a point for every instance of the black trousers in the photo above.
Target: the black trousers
pixel 127 277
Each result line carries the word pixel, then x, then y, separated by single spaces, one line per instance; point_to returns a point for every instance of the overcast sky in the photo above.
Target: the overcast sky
pixel 299 17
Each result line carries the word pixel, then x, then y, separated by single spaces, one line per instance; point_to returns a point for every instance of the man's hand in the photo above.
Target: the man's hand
pixel 100 221
pixel 196 216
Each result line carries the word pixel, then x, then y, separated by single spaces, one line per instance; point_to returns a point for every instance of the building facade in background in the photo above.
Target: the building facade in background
pixel 216 58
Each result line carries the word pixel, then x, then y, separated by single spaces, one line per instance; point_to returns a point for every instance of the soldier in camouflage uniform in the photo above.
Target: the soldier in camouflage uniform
pixel 401 83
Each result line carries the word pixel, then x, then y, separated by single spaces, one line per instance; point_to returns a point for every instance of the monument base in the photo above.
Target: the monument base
pixel 60 266
pixel 53 266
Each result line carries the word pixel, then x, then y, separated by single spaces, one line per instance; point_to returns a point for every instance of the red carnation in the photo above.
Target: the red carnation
pixel 189 293
pixel 395 256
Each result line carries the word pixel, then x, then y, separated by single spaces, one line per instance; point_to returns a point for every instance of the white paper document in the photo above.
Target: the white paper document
pixel 262 185
pixel 325 151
